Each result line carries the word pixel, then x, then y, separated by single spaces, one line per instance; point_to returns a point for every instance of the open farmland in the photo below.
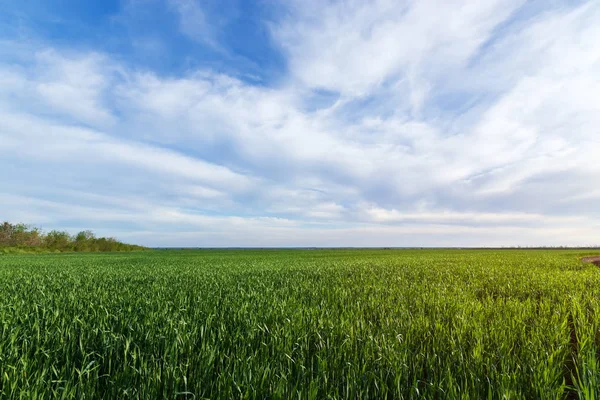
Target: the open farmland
pixel 306 324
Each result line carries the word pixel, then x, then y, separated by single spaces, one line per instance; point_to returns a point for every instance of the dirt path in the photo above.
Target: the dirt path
pixel 594 260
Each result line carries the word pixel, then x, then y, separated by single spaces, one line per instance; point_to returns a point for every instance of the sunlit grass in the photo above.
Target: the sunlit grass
pixel 300 324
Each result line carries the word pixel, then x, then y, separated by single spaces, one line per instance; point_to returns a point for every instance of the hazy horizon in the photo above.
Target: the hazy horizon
pixel 188 123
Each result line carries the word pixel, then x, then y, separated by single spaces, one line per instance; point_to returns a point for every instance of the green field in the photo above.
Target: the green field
pixel 302 324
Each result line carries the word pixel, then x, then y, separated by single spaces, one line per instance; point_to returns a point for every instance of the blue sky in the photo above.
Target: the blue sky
pixel 303 123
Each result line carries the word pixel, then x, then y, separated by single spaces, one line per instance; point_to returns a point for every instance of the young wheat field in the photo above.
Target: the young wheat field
pixel 300 324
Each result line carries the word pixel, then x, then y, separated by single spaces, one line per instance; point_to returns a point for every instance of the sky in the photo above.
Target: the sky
pixel 269 123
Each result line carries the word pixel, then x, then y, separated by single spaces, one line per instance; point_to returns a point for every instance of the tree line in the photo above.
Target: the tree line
pixel 23 236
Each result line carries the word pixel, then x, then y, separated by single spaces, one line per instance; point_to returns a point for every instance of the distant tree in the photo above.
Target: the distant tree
pixel 84 241
pixel 57 240
pixel 25 236
pixel 19 235
pixel 6 230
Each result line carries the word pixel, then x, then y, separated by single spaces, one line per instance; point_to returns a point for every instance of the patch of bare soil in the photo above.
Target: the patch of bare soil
pixel 593 260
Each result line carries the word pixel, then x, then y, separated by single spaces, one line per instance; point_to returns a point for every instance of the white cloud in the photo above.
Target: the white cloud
pixel 355 46
pixel 469 218
pixel 80 148
pixel 71 86
pixel 194 22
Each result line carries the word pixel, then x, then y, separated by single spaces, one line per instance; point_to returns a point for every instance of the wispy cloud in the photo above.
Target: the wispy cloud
pixel 194 21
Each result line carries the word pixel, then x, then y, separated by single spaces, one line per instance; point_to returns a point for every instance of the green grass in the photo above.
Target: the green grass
pixel 303 324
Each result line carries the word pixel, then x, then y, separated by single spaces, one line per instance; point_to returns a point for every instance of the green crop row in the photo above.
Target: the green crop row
pixel 302 324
